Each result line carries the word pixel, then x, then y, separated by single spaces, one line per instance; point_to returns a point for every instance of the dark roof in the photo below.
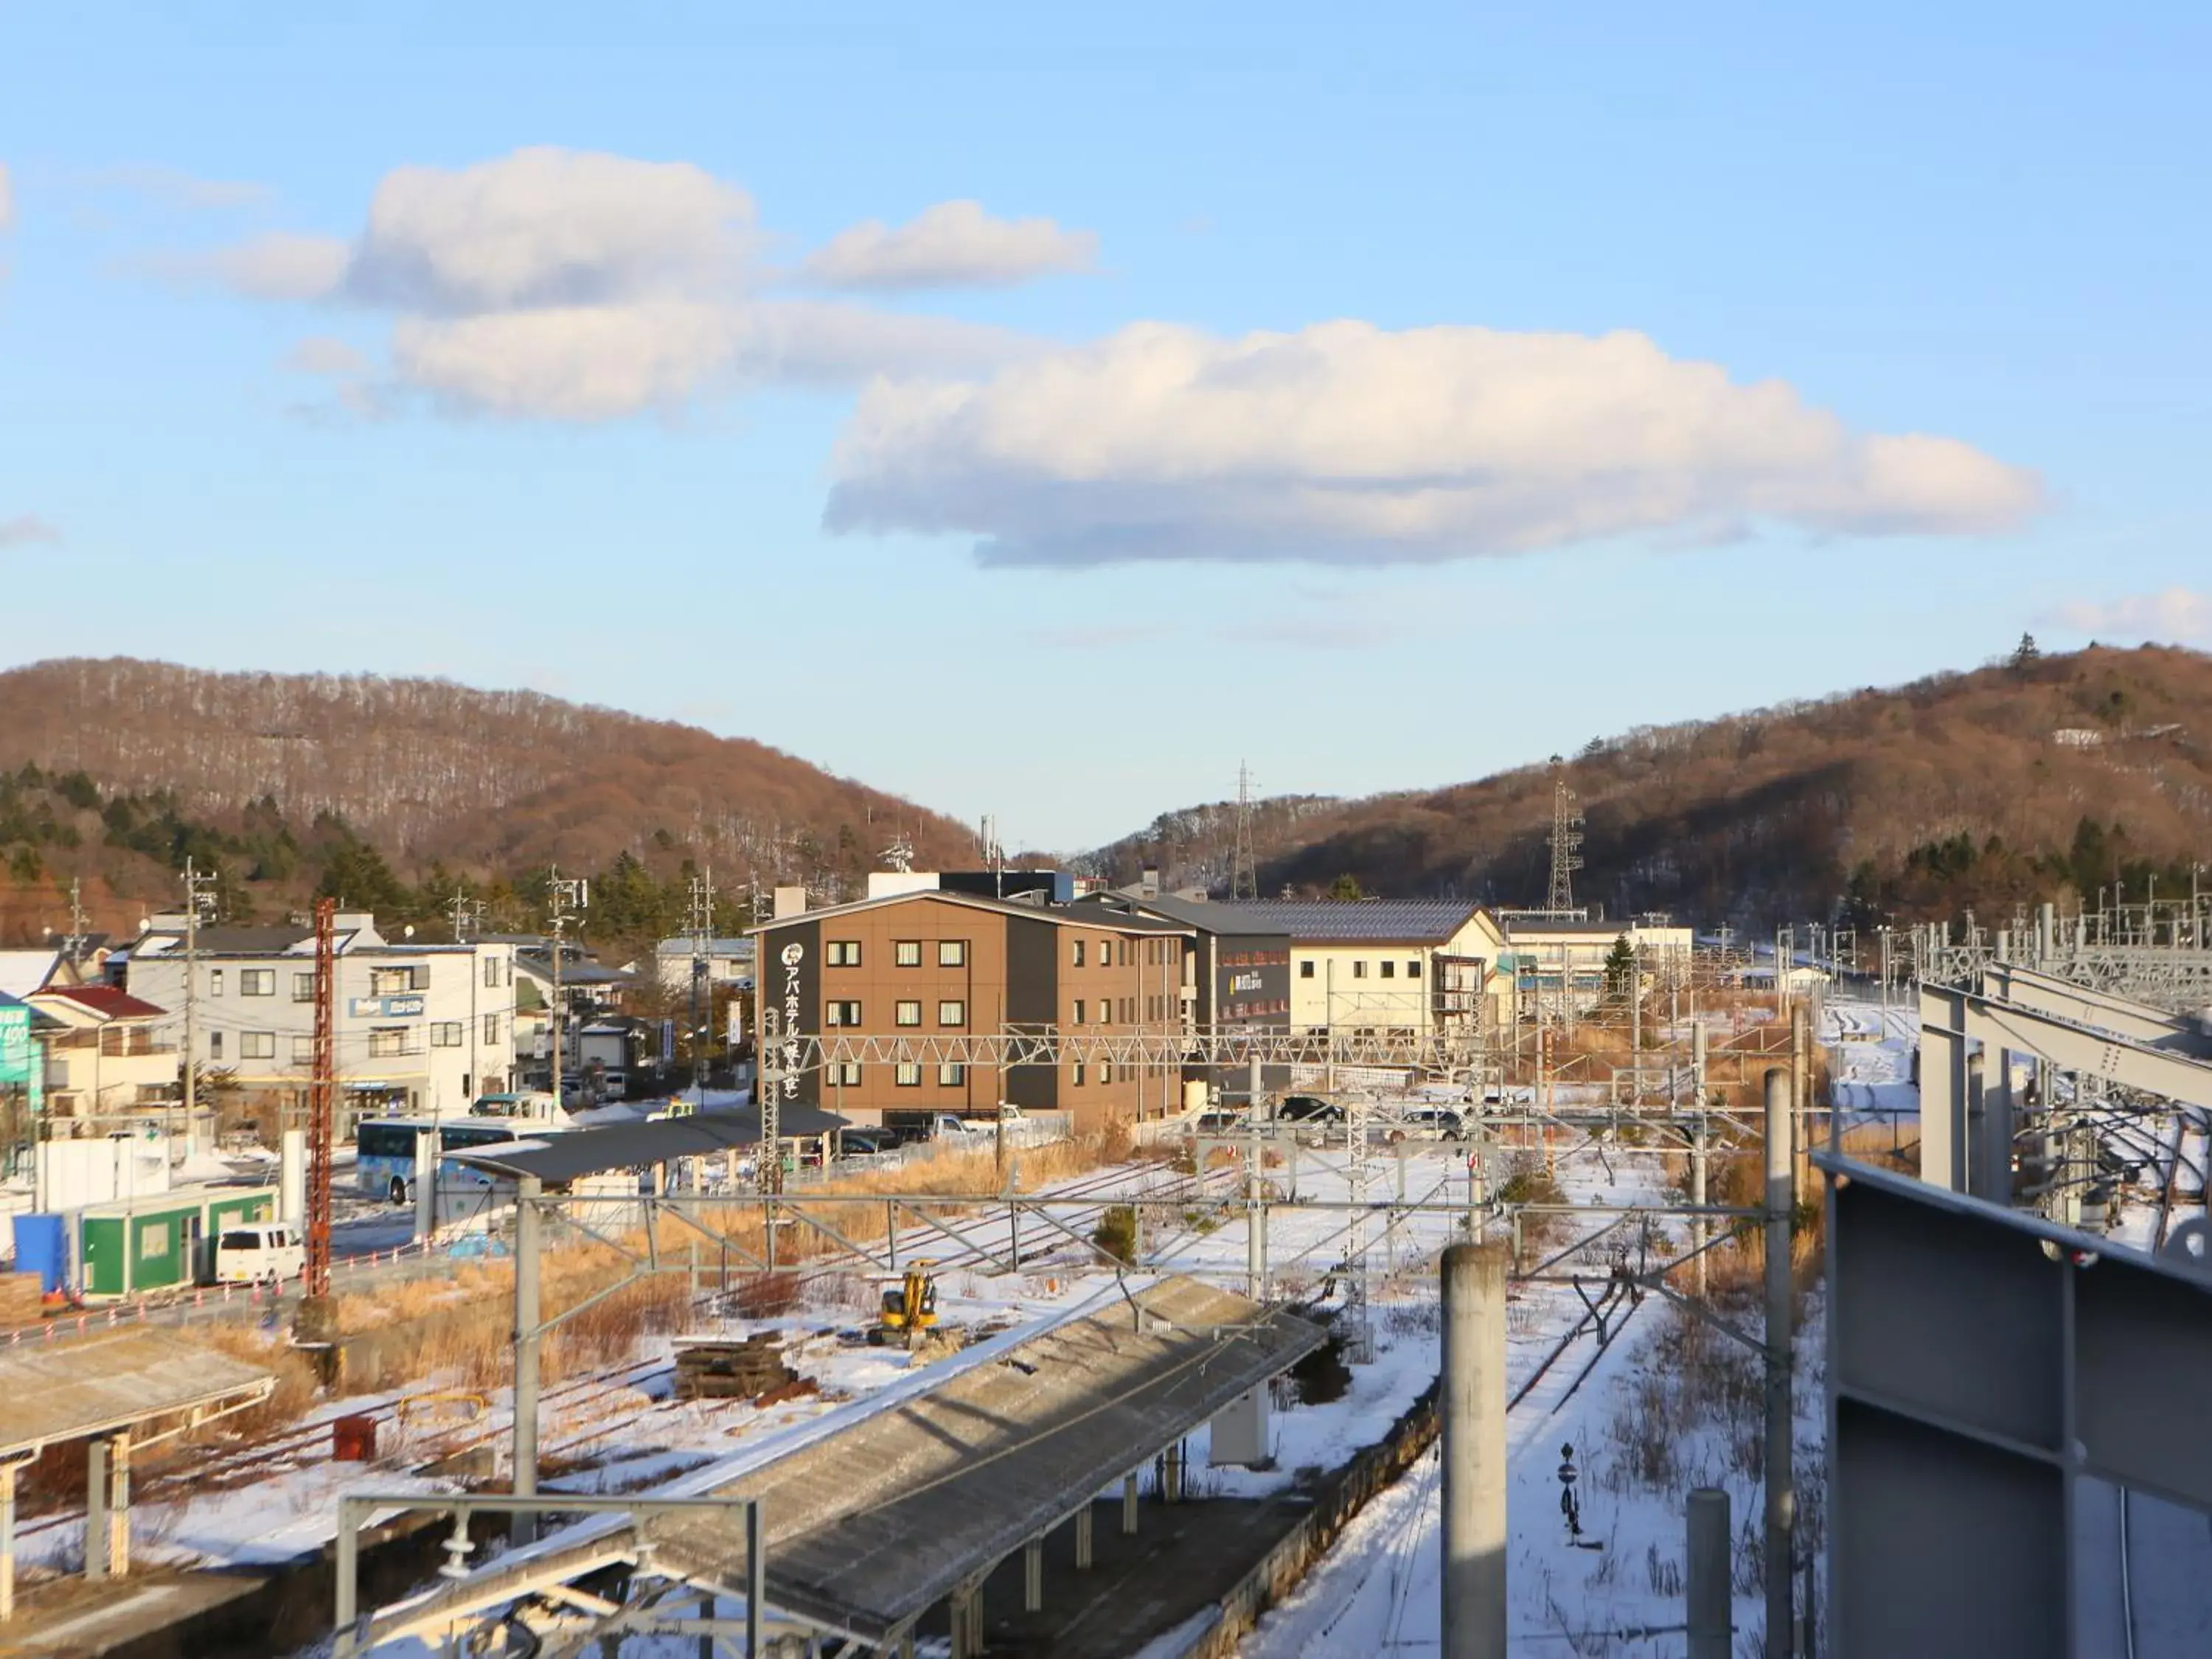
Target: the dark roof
pixel 1200 914
pixel 1363 921
pixel 235 941
pixel 631 1145
pixel 1078 915
pixel 109 1001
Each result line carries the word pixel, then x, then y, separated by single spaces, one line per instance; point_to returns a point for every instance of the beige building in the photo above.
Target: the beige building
pixel 110 1060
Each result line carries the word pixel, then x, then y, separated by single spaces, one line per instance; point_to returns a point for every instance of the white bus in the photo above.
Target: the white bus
pixel 384 1149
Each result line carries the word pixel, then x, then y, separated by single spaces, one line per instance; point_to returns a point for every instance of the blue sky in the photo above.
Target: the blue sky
pixel 1381 398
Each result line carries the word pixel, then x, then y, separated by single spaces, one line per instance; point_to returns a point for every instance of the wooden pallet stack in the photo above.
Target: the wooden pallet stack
pixel 21 1297
pixel 709 1368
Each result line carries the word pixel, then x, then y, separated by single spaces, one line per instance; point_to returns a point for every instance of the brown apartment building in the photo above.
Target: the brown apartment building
pixel 933 967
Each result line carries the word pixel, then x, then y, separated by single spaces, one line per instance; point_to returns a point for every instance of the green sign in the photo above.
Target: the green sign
pixel 20 1065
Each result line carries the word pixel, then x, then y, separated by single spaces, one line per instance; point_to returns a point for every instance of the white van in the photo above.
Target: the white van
pixel 249 1254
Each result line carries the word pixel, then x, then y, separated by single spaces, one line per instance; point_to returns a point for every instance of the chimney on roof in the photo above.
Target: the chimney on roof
pixel 790 902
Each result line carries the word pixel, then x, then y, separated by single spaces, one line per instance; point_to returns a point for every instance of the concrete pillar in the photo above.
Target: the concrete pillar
pixel 1171 1475
pixel 1698 1164
pixel 528 1317
pixel 1129 1506
pixel 426 1183
pixel 1780 1515
pixel 1033 1575
pixel 1083 1538
pixel 1473 1401
pixel 1706 1580
pixel 292 1176
pixel 7 1541
pixel 119 1519
pixel 97 1535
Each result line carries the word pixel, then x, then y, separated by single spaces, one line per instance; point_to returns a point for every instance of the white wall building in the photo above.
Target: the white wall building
pixel 418 1028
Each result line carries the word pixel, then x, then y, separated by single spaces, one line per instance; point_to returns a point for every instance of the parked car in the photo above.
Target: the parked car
pixel 865 1143
pixel 1428 1123
pixel 247 1254
pixel 1218 1123
pixel 1308 1108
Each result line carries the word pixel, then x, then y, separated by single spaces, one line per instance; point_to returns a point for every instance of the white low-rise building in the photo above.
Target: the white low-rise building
pixel 417 1028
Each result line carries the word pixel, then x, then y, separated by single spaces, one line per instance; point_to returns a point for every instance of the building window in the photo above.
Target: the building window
pixel 840 1013
pixel 1105 1011
pixel 951 1013
pixel 1305 968
pixel 491 1030
pixel 386 1041
pixel 397 981
pixel 1078 1020
pixel 1129 1009
pixel 491 973
pixel 952 953
pixel 951 1075
pixel 843 953
pixel 1389 969
pixel 1413 968
pixel 303 988
pixel 1359 970
pixel 153 1240
pixel 1105 1071
pixel 846 1073
pixel 907 953
pixel 446 1034
pixel 908 1013
pixel 257 981
pixel 215 1045
pixel 303 1051
pixel 908 1075
pixel 1078 1079
pixel 1078 957
pixel 257 1045
pixel 214 982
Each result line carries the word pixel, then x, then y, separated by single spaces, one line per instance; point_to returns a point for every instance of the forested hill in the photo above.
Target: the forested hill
pixel 131 762
pixel 1969 790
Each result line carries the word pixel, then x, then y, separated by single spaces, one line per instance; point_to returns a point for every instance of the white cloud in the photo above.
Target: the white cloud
pixel 951 244
pixel 551 227
pixel 175 188
pixel 2176 614
pixel 22 530
pixel 560 285
pixel 1348 443
pixel 601 362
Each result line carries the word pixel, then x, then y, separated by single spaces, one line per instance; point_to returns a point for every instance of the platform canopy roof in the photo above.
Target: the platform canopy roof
pixel 578 1152
pixel 63 1391
pixel 869 1526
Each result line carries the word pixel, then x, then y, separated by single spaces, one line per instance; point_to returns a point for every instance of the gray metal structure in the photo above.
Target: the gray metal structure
pixel 1982 1363
pixel 1966 1111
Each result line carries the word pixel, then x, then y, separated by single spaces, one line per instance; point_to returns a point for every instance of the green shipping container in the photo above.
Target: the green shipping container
pixel 153 1247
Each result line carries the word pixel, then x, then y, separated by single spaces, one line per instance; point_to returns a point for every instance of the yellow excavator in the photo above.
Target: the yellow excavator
pixel 910 1307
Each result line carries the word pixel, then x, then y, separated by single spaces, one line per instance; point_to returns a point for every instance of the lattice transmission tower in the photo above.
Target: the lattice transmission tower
pixel 1244 867
pixel 1566 848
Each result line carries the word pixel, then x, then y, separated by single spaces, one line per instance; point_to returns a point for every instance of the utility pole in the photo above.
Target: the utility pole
pixel 1781 1516
pixel 317 1322
pixel 702 930
pixel 77 921
pixel 199 885
pixel 565 899
pixel 466 913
